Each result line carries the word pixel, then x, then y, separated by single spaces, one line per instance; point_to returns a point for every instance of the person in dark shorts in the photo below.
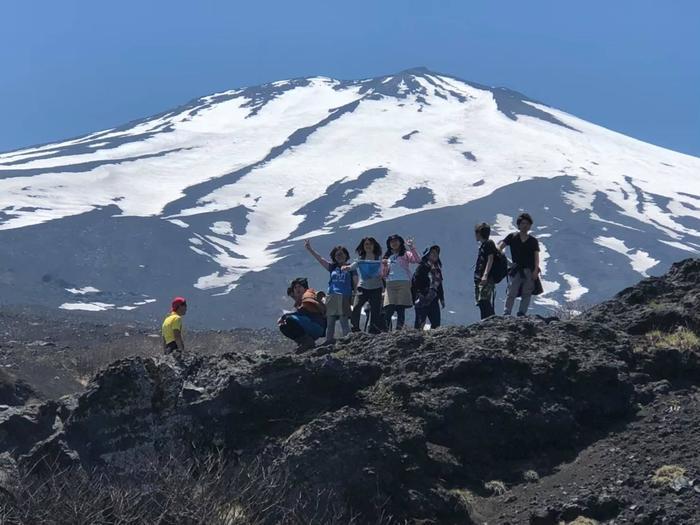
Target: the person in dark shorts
pixel 525 253
pixel 484 286
pixel 172 327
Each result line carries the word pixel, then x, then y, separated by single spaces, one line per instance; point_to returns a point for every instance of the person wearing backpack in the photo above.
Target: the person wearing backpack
pixel 308 320
pixel 525 272
pixel 426 289
pixel 488 269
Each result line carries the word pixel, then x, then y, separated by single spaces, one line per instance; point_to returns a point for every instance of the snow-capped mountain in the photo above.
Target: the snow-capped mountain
pixel 212 200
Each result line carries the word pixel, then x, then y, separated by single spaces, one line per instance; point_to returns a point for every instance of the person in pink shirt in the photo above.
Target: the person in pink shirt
pixel 397 273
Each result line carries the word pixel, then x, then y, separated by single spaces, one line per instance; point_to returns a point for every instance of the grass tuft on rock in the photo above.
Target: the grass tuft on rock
pixel 680 339
pixel 583 520
pixel 667 475
pixel 496 487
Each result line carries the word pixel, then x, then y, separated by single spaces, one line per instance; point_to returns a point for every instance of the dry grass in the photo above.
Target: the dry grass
pixel 667 475
pixel 583 520
pixel 496 487
pixel 681 339
pixel 208 491
pixel 531 476
pixel 466 497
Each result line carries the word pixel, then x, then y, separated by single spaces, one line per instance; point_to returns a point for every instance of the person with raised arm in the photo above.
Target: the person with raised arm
pixel 340 287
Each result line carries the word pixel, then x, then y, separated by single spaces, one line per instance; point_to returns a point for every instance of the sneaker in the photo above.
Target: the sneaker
pixel 305 343
pixel 520 314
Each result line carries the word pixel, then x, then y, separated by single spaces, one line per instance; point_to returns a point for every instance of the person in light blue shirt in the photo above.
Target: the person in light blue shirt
pixel 370 285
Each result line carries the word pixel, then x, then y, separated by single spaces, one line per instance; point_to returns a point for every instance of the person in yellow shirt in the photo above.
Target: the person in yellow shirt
pixel 172 327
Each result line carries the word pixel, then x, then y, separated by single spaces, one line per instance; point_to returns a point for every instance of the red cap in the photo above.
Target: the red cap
pixel 178 302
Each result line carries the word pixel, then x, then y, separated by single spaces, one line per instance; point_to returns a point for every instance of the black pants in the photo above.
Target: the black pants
pixel 374 297
pixel 486 309
pixel 430 312
pixel 400 315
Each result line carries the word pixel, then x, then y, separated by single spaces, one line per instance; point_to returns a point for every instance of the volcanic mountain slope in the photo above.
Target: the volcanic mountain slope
pixel 212 200
pixel 505 421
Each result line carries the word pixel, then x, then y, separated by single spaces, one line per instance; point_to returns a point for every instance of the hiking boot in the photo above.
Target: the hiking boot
pixel 520 314
pixel 305 342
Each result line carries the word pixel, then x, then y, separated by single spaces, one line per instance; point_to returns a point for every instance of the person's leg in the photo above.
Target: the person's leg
pixel 344 325
pixel 360 299
pixel 375 304
pixel 400 317
pixel 513 289
pixel 420 318
pixel 485 296
pixel 330 329
pixel 291 328
pixel 389 310
pixel 526 295
pixel 434 314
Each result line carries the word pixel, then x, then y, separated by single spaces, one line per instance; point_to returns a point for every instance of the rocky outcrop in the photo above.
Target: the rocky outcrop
pixel 13 391
pixel 396 424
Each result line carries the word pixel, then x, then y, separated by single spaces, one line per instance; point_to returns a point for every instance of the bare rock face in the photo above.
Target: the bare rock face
pixel 396 424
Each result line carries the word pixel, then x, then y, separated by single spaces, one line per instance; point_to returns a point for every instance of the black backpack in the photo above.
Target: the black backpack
pixel 499 270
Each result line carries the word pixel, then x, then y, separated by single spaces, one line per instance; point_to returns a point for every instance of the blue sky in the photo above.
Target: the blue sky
pixel 71 67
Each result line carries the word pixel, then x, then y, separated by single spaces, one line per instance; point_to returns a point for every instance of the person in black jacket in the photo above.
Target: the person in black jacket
pixel 426 288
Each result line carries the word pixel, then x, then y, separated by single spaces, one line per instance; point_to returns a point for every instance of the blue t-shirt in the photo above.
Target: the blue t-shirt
pixel 370 273
pixel 340 282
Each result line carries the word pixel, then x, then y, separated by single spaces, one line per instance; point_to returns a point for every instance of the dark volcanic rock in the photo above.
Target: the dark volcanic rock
pixel 14 392
pixel 408 425
pixel 657 303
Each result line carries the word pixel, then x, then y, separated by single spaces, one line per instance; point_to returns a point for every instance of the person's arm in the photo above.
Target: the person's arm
pixel 505 242
pixel 441 295
pixel 178 339
pixel 536 273
pixel 350 267
pixel 321 260
pixel 412 255
pixel 487 270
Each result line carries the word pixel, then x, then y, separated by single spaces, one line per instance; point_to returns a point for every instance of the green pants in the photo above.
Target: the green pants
pixel 484 292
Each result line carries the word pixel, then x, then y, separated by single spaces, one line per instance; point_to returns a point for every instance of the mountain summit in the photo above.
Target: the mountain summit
pixel 213 199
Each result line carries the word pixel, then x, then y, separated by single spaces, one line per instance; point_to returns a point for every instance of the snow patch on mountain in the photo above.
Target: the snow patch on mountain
pixel 640 260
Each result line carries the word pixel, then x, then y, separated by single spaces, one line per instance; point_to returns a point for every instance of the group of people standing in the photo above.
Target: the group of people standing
pixel 383 284
pixel 388 285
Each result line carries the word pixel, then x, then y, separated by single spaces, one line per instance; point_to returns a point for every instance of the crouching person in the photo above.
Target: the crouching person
pixel 308 322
